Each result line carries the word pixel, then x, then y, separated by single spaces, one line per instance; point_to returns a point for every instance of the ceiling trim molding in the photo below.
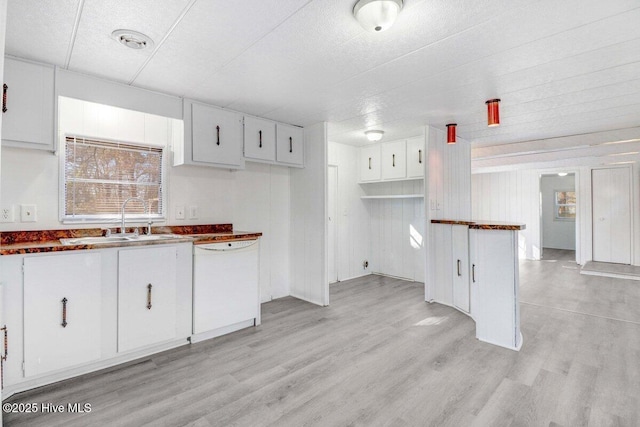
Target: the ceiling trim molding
pixel 74 33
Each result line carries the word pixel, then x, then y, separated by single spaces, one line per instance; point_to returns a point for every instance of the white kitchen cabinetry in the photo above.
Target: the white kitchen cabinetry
pixel 259 139
pixel 289 145
pixel 415 158
pixel 441 262
pixel 460 264
pixel 394 160
pixel 494 286
pixel 146 296
pixel 62 302
pixel 28 120
pixel 370 163
pixel 212 137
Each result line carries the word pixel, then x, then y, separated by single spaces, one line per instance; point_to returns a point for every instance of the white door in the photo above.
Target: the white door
pixel 332 207
pixel 611 205
pixel 146 296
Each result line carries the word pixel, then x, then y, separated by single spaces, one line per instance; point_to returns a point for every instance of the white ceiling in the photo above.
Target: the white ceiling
pixel 560 67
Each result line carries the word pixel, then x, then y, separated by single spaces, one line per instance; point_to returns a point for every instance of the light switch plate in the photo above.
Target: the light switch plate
pixel 28 213
pixel 180 212
pixel 193 212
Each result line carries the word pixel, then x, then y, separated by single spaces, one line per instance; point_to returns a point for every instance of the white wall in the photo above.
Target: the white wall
pixel 556 233
pixel 255 199
pixel 353 232
pixel 510 196
pixel 308 251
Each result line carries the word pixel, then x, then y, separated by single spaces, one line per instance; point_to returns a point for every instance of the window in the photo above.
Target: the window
pixel 565 205
pixel 99 176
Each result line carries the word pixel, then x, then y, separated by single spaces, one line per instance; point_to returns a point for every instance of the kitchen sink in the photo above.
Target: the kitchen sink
pixel 118 239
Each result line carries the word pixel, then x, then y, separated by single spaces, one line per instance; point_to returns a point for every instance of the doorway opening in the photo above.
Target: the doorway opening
pixel 558 215
pixel 332 221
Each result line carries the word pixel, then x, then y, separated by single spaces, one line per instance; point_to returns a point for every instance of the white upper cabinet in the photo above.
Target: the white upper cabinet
pixel 394 160
pixel 259 139
pixel 62 311
pixel 415 157
pixel 290 145
pixel 370 163
pixel 28 105
pixel 212 137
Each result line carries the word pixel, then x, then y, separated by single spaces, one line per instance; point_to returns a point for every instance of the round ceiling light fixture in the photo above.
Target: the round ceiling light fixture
pixel 374 135
pixel 377 15
pixel 132 39
pixel 562 174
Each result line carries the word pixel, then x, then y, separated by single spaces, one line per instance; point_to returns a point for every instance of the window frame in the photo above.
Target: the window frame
pixel 108 218
pixel 556 205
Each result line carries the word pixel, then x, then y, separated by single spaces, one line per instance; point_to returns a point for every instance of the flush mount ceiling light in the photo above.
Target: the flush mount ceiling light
pixel 377 15
pixel 374 135
pixel 562 173
pixel 493 112
pixel 132 39
pixel 451 133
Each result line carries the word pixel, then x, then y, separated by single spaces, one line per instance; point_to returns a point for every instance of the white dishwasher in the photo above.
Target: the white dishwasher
pixel 226 288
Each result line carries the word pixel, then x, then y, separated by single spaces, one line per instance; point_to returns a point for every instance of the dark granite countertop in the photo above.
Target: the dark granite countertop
pixel 482 225
pixel 39 241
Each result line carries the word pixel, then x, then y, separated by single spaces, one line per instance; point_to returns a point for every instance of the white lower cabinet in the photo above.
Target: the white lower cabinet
pixel 441 263
pixel 146 296
pixel 494 286
pixel 460 264
pixel 62 311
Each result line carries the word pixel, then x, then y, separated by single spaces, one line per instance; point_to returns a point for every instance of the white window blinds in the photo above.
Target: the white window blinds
pixel 99 176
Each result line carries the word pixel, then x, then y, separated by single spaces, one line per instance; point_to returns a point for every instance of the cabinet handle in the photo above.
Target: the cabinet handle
pixel 6 344
pixel 369 163
pixel 290 144
pixel 217 135
pixel 4 98
pixel 420 156
pixel 64 312
pixel 260 135
pixel 149 296
pixel 473 273
pixel 459 274
pixel 394 160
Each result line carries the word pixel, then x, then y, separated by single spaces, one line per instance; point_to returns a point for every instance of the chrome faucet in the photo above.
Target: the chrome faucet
pixel 123 230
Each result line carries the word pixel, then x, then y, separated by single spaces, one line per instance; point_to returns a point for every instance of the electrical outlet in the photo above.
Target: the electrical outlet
pixel 7 214
pixel 28 213
pixel 180 212
pixel 193 212
pixel 365 264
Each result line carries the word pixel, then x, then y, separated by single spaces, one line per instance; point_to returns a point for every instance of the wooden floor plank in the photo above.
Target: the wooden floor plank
pixel 380 355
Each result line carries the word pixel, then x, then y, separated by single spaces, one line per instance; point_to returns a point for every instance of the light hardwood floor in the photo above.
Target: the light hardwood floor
pixel 380 355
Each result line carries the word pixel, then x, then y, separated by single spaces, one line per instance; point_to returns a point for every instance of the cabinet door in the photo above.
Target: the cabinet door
pixel 28 120
pixel 370 163
pixel 394 160
pixel 460 263
pixel 415 158
pixel 216 136
pixel 290 145
pixel 441 263
pixel 146 296
pixel 494 286
pixel 62 311
pixel 259 139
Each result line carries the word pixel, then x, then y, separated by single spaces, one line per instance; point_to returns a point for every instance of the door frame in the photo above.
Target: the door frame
pixel 578 221
pixel 332 251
